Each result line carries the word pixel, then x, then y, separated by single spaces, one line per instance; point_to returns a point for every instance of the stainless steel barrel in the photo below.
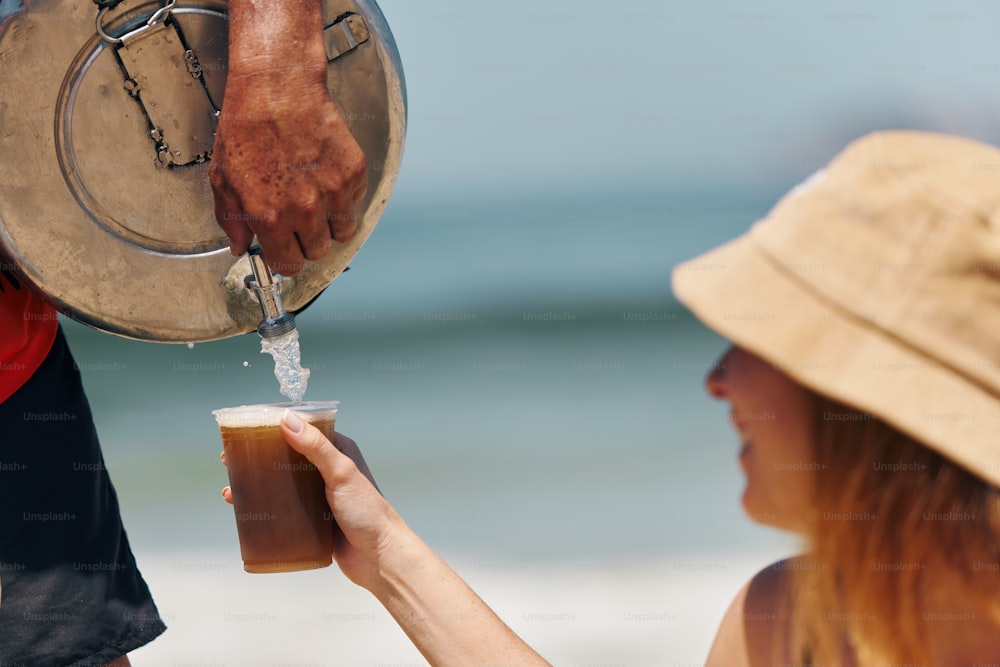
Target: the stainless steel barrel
pixel 105 204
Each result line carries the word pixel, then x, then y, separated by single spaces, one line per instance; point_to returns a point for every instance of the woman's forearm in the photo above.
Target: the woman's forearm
pixel 441 614
pixel 449 624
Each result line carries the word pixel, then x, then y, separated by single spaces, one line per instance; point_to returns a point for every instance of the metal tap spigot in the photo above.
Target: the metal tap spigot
pixel 276 322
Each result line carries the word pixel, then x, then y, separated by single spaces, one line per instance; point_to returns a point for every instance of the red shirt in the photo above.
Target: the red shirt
pixel 27 330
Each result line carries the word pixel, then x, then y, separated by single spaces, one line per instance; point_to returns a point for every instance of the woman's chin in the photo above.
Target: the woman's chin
pixel 759 514
pixel 772 519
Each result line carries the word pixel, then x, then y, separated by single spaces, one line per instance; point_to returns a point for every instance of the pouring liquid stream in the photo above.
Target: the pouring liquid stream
pixel 292 377
pixel 278 335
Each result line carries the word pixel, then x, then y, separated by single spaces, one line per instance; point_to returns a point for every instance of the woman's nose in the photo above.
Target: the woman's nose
pixel 715 381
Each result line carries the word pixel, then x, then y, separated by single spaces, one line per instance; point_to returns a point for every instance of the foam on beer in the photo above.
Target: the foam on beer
pixel 268 414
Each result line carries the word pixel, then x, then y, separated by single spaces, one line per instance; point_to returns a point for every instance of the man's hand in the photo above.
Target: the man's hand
pixel 285 166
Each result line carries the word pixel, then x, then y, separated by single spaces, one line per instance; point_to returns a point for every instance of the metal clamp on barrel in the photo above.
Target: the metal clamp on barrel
pixel 344 35
pixel 276 322
pixel 165 77
pixel 154 22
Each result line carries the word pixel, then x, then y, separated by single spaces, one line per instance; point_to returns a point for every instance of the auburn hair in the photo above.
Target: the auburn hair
pixel 892 518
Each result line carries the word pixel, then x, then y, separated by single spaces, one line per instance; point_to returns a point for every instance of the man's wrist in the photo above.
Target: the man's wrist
pixel 268 36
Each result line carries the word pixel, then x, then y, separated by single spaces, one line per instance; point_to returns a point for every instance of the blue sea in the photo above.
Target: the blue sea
pixel 517 373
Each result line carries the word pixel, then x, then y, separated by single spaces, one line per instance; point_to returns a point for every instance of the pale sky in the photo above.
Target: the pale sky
pixel 648 94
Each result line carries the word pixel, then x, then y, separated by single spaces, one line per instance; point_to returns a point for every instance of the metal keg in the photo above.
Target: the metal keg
pixel 105 204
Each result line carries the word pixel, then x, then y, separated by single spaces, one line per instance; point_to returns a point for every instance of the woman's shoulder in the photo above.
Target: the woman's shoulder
pixel 757 629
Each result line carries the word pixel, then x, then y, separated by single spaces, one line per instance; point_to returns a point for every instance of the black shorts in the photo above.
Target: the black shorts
pixel 70 592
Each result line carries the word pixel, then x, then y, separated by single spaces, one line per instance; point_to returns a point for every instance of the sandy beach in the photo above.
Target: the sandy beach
pixel 584 614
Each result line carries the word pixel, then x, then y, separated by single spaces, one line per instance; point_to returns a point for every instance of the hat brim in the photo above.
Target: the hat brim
pixel 766 307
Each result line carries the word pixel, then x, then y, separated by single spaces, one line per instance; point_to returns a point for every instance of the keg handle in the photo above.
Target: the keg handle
pixel 154 22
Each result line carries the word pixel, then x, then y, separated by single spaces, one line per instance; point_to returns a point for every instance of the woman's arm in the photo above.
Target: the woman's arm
pixel 441 614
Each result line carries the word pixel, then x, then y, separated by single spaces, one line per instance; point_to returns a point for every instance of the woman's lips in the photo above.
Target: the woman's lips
pixel 740 426
pixel 744 458
pixel 734 420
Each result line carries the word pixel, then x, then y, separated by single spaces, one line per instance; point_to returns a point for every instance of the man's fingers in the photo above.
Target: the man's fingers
pixel 240 238
pixel 315 240
pixel 281 250
pixel 228 213
pixel 360 192
pixel 240 235
pixel 343 225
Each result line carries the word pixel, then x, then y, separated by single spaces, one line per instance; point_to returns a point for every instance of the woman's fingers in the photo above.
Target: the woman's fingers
pixel 311 443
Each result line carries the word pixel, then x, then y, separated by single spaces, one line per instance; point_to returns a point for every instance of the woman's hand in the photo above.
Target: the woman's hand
pixel 367 522
pixel 445 619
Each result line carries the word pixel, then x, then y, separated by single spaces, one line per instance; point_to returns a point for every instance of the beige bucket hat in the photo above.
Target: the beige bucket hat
pixel 877 283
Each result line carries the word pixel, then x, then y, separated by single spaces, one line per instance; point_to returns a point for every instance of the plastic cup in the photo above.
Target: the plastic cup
pixel 282 517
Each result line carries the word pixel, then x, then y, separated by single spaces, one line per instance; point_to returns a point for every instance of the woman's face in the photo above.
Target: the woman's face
pixel 772 415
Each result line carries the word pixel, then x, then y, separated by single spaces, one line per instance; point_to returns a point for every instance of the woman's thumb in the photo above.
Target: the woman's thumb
pixel 309 441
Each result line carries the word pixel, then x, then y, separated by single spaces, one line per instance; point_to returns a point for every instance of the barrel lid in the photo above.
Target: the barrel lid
pixel 105 204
